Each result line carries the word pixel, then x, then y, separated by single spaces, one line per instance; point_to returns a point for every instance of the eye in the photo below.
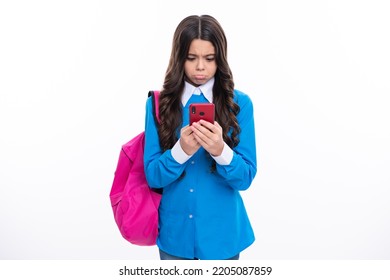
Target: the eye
pixel 190 58
pixel 210 58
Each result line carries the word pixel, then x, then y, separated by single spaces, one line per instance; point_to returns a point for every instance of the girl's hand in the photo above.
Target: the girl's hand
pixel 188 142
pixel 209 136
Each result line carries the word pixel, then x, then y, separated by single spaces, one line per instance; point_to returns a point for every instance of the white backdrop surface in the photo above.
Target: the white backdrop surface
pixel 73 82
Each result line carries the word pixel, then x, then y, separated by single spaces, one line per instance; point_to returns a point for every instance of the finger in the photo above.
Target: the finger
pixel 200 140
pixel 201 131
pixel 217 125
pixel 189 139
pixel 186 130
pixel 207 124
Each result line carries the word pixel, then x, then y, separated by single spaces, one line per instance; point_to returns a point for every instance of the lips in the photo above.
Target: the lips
pixel 200 77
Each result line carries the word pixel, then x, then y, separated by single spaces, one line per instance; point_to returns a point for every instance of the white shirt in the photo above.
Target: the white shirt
pixel 206 89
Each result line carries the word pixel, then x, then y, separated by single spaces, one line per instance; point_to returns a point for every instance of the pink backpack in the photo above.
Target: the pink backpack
pixel 134 203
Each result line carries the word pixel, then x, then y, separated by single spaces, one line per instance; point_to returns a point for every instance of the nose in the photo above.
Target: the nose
pixel 200 65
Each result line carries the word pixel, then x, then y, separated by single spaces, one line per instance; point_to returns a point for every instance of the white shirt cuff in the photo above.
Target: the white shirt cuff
pixel 226 156
pixel 178 154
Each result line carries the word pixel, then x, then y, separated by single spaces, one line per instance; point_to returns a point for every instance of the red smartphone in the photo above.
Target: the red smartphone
pixel 202 111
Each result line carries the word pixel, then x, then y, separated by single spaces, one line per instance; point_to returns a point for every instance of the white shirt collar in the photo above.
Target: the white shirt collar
pixel 206 89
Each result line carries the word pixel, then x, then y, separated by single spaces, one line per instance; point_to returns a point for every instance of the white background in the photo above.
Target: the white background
pixel 74 76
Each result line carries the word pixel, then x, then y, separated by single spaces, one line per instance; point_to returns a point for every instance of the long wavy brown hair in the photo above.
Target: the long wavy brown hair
pixel 207 28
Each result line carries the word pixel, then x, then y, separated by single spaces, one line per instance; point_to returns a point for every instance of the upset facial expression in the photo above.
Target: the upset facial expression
pixel 200 65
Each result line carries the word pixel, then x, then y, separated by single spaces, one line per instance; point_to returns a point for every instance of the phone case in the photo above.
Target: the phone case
pixel 199 111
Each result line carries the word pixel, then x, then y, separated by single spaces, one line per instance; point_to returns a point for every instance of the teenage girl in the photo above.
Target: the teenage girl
pixel 203 167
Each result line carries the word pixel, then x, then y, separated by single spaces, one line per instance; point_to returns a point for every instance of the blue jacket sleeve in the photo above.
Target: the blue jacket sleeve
pixel 161 169
pixel 240 173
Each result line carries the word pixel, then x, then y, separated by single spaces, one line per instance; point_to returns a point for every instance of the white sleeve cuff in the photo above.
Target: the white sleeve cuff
pixel 226 156
pixel 178 154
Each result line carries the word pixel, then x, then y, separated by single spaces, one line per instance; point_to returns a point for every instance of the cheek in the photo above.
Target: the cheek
pixel 187 69
pixel 213 70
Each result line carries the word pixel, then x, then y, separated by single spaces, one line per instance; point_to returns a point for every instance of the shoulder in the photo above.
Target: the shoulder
pixel 149 101
pixel 241 98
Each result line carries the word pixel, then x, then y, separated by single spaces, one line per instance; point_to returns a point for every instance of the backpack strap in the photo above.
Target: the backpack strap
pixel 155 94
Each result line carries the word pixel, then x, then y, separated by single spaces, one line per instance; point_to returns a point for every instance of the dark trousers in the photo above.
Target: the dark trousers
pixel 166 256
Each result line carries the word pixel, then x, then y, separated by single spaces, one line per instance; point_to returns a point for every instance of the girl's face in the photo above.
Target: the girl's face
pixel 200 65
